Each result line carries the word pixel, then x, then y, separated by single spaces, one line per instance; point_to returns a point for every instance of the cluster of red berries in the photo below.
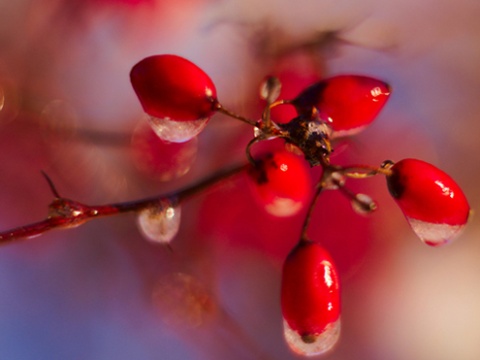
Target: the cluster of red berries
pixel 180 99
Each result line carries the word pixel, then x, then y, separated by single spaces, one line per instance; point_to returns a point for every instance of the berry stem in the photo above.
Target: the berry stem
pixel 231 114
pixel 318 190
pixel 364 171
pixel 266 117
pixel 366 207
pixel 65 213
pixel 354 171
pixel 250 158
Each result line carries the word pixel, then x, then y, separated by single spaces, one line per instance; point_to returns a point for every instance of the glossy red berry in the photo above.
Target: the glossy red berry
pixel 348 103
pixel 169 86
pixel 281 183
pixel 432 202
pixel 310 298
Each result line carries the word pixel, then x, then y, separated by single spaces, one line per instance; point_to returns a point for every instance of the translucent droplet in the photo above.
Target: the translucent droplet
pixel 283 207
pixel 312 344
pixel 183 300
pixel 363 204
pixel 334 181
pixel 258 133
pixel 435 234
pixel 160 223
pixel 270 89
pixel 177 131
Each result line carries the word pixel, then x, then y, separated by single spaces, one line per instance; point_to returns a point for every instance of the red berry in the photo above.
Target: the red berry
pixel 282 183
pixel 169 86
pixel 432 202
pixel 310 299
pixel 348 103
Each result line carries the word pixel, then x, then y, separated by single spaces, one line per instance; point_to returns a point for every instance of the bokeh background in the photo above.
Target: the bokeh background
pixel 101 291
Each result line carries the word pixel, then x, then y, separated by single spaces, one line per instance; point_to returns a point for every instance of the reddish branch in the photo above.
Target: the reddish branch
pixel 65 213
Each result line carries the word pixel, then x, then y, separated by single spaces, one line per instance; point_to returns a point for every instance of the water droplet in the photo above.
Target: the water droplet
pixel 363 204
pixel 312 344
pixel 183 300
pixel 177 131
pixel 335 180
pixel 283 207
pixel 435 234
pixel 258 133
pixel 160 223
pixel 270 89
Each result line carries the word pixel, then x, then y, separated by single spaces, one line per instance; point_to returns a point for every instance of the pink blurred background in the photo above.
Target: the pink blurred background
pixel 68 109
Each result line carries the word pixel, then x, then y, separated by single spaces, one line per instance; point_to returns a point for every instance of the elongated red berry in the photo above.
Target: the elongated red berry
pixel 281 183
pixel 179 96
pixel 310 298
pixel 169 86
pixel 430 199
pixel 348 103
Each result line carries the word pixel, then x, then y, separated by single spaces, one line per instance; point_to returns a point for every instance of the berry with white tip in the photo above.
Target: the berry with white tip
pixel 433 203
pixel 178 96
pixel 310 298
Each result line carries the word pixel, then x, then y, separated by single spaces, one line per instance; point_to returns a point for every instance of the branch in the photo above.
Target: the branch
pixel 65 213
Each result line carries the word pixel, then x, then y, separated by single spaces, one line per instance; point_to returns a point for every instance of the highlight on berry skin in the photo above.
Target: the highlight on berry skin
pixel 432 202
pixel 178 96
pixel 348 103
pixel 281 183
pixel 310 300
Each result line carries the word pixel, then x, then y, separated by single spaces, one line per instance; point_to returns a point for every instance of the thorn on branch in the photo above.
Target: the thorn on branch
pixel 51 184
